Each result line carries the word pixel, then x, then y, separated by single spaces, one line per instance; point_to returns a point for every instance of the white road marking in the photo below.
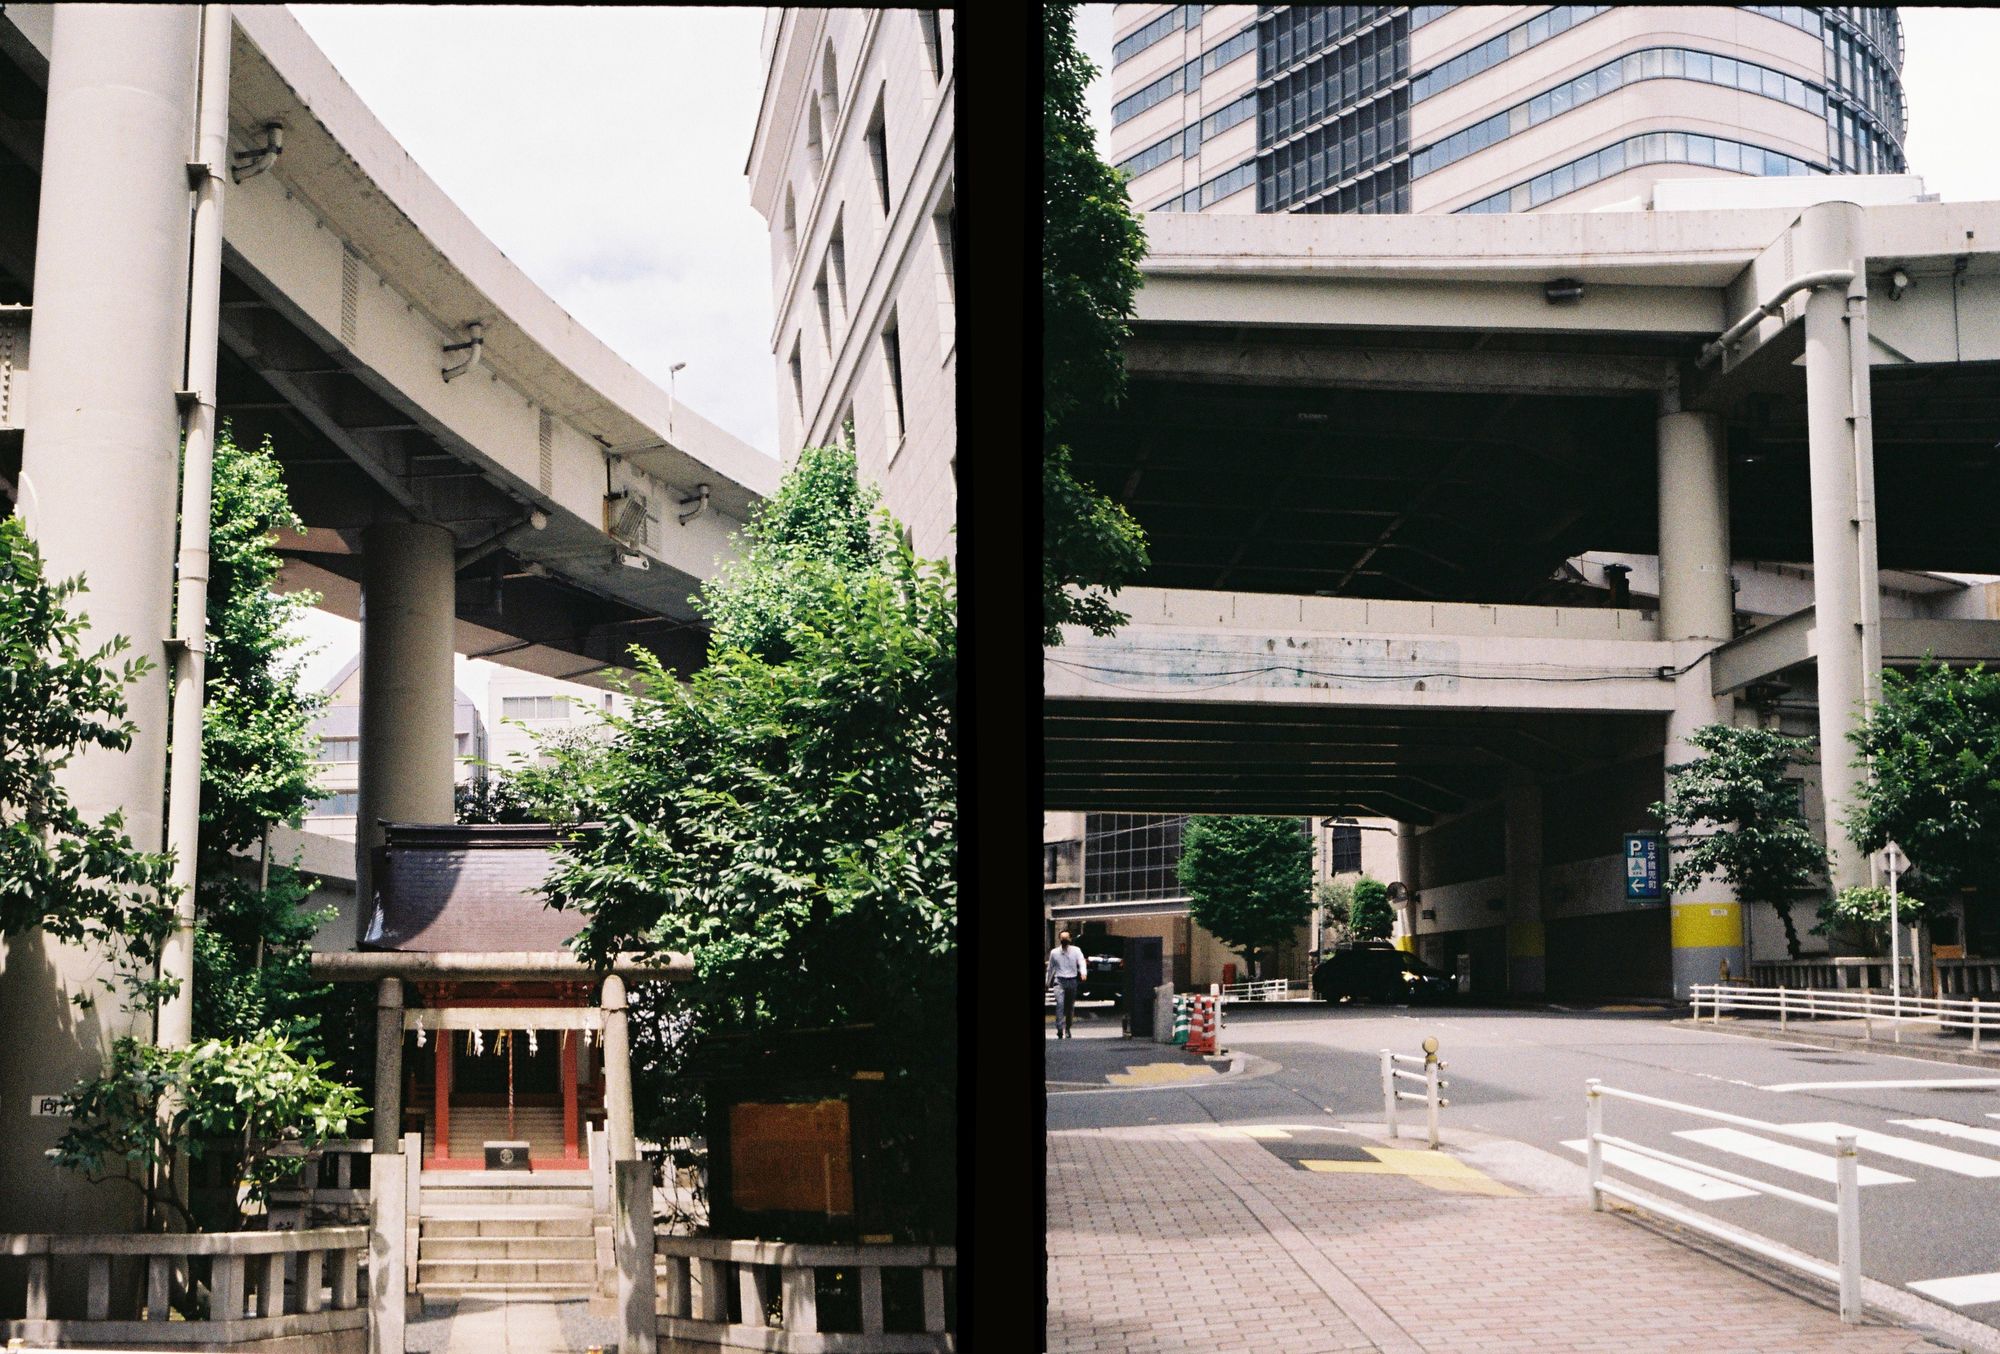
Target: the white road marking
pixel 1783 1155
pixel 1905 1149
pixel 1967 1290
pixel 1691 1183
pixel 1989 1136
pixel 1916 1084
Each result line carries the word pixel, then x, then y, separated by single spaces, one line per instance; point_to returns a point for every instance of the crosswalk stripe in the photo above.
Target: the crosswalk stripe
pixel 1945 1127
pixel 1783 1155
pixel 1920 1084
pixel 1691 1183
pixel 1905 1149
pixel 1967 1290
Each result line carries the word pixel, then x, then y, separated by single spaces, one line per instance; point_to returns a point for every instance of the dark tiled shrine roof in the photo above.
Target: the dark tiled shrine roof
pixel 468 888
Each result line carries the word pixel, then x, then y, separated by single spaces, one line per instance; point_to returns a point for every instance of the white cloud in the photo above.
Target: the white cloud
pixel 602 149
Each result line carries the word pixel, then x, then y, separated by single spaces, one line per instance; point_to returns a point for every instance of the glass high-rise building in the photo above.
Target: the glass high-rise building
pixel 1492 108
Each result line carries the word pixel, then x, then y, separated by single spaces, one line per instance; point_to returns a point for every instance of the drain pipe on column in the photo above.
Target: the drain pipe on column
pixel 190 640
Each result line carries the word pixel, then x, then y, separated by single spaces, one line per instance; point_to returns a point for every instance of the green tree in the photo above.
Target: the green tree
pixel 1371 917
pixel 1932 747
pixel 787 815
pixel 1248 879
pixel 1731 813
pixel 1334 898
pixel 253 932
pixel 155 1111
pixel 1091 246
pixel 79 881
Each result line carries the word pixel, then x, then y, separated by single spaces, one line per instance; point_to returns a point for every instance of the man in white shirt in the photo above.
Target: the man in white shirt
pixel 1066 970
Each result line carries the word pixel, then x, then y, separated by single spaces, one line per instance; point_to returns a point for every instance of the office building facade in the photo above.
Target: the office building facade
pixel 1492 108
pixel 852 167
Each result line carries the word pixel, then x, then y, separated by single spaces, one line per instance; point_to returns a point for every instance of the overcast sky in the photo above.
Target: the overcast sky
pixel 1948 57
pixel 602 149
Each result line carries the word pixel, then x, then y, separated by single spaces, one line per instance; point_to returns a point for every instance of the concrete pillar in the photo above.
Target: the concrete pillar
pixel 389 1065
pixel 617 1073
pixel 1406 870
pixel 1697 604
pixel 110 298
pixel 1527 945
pixel 1696 598
pixel 1705 927
pixel 407 745
pixel 1846 587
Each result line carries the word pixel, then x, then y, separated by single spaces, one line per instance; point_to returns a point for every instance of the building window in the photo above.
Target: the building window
pixel 1652 148
pixel 1129 857
pixel 829 86
pixel 798 384
pixel 791 235
pixel 339 749
pixel 1343 853
pixel 892 362
pixel 825 309
pixel 878 154
pixel 533 707
pixel 815 143
pixel 343 805
pixel 944 229
pixel 836 254
pixel 927 24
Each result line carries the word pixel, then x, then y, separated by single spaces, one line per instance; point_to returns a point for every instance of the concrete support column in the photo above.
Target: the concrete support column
pixel 97 493
pixel 389 1065
pixel 1696 598
pixel 407 746
pixel 1406 871
pixel 1706 926
pixel 1846 586
pixel 1527 944
pixel 637 1291
pixel 388 1191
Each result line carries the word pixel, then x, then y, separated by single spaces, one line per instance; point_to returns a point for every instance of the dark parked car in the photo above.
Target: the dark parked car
pixel 1105 978
pixel 1375 970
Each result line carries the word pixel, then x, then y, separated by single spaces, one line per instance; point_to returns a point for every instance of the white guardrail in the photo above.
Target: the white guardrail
pixel 1264 989
pixel 1947 1013
pixel 1428 1079
pixel 1845 1205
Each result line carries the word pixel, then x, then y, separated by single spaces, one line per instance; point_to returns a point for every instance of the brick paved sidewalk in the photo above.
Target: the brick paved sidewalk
pixel 1169 1239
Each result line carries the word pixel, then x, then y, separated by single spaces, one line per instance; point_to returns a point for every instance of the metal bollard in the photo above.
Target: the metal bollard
pixel 1975 1024
pixel 1389 1090
pixel 1431 1088
pixel 1593 1129
pixel 1782 1013
pixel 1847 1199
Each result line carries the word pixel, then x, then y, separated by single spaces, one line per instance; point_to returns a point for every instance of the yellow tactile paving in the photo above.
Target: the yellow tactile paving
pixel 1435 1169
pixel 1160 1074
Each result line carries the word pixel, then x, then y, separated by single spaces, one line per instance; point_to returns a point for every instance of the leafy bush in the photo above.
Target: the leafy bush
pixel 1371 916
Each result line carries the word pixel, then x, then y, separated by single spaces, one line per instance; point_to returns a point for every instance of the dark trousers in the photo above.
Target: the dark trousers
pixel 1066 990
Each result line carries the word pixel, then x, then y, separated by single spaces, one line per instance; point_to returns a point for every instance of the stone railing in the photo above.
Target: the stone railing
pixel 263 1286
pixel 1953 977
pixel 782 1305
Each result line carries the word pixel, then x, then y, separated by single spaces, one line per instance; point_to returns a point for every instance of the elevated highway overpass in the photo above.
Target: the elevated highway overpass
pixel 476 472
pixel 1371 454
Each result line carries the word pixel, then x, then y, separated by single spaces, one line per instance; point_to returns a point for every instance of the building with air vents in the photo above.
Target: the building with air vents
pixel 1492 108
pixel 851 165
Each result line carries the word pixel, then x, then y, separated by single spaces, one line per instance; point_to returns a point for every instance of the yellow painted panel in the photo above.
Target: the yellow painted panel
pixel 1526 940
pixel 1160 1074
pixel 1701 926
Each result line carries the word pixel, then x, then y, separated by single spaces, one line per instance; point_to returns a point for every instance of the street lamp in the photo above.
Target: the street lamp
pixel 670 395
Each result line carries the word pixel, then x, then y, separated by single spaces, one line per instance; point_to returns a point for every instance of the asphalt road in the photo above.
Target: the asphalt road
pixel 1521 1074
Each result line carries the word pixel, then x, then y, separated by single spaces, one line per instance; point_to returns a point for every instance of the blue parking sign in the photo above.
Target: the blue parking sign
pixel 1642 868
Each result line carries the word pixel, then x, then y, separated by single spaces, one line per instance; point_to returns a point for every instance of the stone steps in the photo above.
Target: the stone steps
pixel 575 1246
pixel 508 1219
pixel 519 1273
pixel 504 1290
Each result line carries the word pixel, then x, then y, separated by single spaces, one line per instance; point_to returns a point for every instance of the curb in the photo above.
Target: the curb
pixel 1846 1043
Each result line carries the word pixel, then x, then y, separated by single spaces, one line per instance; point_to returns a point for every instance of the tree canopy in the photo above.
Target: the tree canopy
pixel 1371 916
pixel 1932 746
pixel 1091 246
pixel 1733 814
pixel 786 815
pixel 1248 879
